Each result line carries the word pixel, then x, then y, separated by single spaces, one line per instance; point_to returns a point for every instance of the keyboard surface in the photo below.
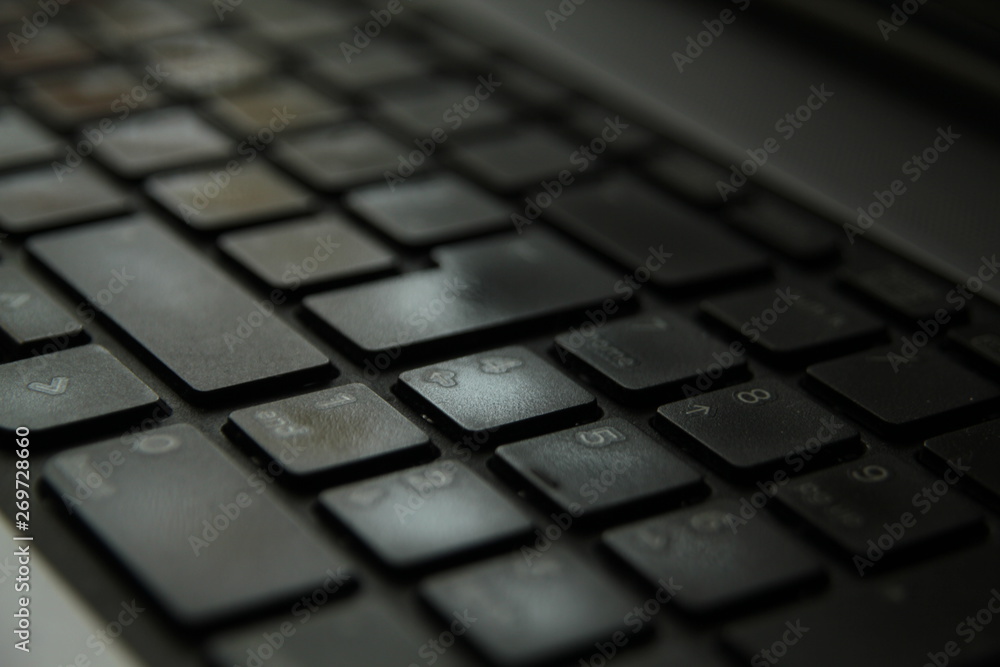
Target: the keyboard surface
pixel 387 348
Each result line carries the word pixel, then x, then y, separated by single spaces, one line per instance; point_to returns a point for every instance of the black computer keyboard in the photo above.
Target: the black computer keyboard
pixel 383 350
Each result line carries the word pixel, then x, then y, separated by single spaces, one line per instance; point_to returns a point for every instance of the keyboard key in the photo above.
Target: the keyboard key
pixel 228 547
pixel 308 252
pixel 430 210
pixel 212 341
pixel 526 84
pixel 382 62
pixel 519 156
pixel 54 46
pixel 23 141
pixel 159 140
pixel 289 21
pixel 220 198
pixel 532 611
pixel 677 247
pixel 341 156
pixel 926 391
pixel 248 109
pixel 597 124
pixel 29 316
pixel 974 447
pixel 449 104
pixel 720 560
pixel 601 467
pixel 80 387
pixel 122 21
pixel 45 197
pixel 910 294
pixel 649 356
pixel 689 175
pixel 67 99
pixel 427 514
pixel 509 391
pixel 794 232
pixel 879 509
pixel 909 619
pixel 203 63
pixel 482 286
pixel 982 341
pixel 360 633
pixel 761 425
pixel 338 430
pixel 793 324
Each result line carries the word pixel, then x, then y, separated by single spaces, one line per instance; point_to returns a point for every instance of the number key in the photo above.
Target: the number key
pixel 761 425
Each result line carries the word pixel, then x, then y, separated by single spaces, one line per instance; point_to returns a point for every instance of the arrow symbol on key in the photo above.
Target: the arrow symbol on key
pixel 56 387
pixel 698 409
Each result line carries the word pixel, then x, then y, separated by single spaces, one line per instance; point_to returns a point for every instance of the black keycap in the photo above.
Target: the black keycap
pixel 23 141
pixel 878 509
pixel 67 99
pixel 248 109
pixel 720 560
pixel 533 610
pixel 334 430
pixel 926 616
pixel 159 140
pixel 193 318
pixel 974 447
pixel 651 356
pixel 308 252
pixel 481 285
pixel 227 548
pixel 431 210
pixel 601 130
pixel 982 341
pixel 220 198
pixel 526 84
pixel 899 395
pixel 288 21
pixel 202 63
pixel 663 241
pixel 508 391
pixel 121 21
pixel 383 61
pixel 29 317
pixel 54 46
pixel 761 425
pixel 359 633
pixel 792 231
pixel 427 105
pixel 516 157
pixel 673 653
pixel 341 156
pixel 793 324
pixel 600 467
pixel 689 175
pixel 909 293
pixel 432 513
pixel 80 387
pixel 49 197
